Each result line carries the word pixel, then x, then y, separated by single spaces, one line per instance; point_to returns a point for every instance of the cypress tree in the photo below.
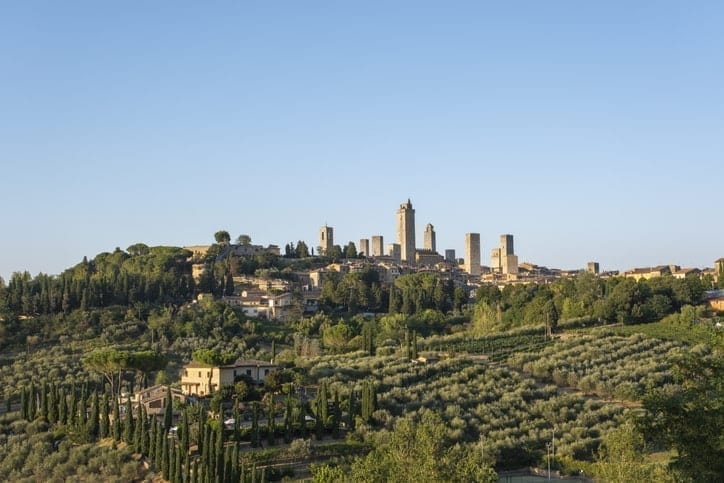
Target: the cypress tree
pixel 32 403
pixel 93 422
pixel 116 428
pixel 62 407
pixel 271 424
pixel 288 419
pixel 318 425
pixel 152 441
pixel 186 467
pixel 336 415
pixel 165 458
pixel 219 455
pixel 227 465
pixel 323 404
pixel 158 451
pixel 24 414
pixel 72 418
pixel 408 347
pixel 352 410
pixel 44 401
pixel 168 411
pixel 82 411
pixel 105 426
pixel 53 404
pixel 255 425
pixel 414 344
pixel 185 431
pixel 273 351
pixel 235 476
pixel 128 423
pixel 138 430
pixel 179 461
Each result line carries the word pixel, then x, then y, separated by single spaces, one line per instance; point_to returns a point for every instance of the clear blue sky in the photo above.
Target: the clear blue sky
pixel 589 130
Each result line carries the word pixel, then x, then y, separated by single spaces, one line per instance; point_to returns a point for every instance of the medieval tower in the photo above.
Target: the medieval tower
pixel 406 232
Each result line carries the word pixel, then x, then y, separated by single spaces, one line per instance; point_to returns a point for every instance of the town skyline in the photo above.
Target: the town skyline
pixel 590 133
pixel 486 240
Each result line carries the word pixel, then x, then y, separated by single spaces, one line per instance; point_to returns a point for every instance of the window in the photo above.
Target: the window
pixel 266 372
pixel 199 373
pixel 248 372
pixel 186 373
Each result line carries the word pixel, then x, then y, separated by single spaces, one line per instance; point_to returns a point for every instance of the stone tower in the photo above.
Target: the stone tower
pixel 429 238
pixel 472 253
pixel 326 240
pixel 378 248
pixel 406 232
pixel 364 247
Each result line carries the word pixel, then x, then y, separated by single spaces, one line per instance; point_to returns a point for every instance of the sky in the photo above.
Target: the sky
pixel 591 131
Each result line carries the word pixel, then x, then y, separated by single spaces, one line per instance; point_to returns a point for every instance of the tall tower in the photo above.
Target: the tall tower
pixel 326 239
pixel 406 232
pixel 429 238
pixel 472 253
pixel 378 249
pixel 364 247
pixel 506 245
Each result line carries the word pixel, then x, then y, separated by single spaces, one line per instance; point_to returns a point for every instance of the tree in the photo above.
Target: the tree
pixel 243 240
pixel 621 457
pixel 417 450
pixel 222 237
pixel 168 411
pixel 688 417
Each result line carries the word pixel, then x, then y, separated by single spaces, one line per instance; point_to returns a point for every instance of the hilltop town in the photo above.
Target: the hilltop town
pixel 241 362
pixel 275 294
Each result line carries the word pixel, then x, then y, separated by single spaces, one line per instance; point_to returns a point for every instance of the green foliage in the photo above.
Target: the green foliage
pixel 622 457
pixel 689 415
pixel 213 357
pixel 417 451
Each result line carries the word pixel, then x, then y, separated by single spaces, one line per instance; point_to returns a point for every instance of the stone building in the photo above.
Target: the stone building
pixel 378 247
pixel 364 247
pixel 406 232
pixel 503 259
pixel 472 253
pixel 326 240
pixel 429 238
